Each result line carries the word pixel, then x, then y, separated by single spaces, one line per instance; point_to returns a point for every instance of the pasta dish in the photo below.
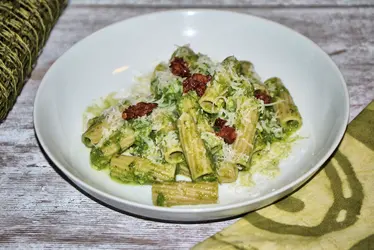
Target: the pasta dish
pixel 207 121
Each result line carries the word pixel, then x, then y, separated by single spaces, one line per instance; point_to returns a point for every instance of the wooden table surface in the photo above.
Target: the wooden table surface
pixel 40 209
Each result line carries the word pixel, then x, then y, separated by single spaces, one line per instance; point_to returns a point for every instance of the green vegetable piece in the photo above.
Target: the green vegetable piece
pixel 93 134
pixel 188 103
pixel 246 68
pixel 98 160
pixel 160 200
pixel 187 54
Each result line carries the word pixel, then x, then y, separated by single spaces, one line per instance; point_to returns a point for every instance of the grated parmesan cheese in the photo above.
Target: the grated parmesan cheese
pixel 230 155
pixel 205 64
pixel 153 152
pixel 230 117
pixel 171 139
pixel 113 117
pixel 165 78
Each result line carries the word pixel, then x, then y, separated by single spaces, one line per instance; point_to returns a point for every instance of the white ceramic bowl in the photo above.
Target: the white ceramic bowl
pixel 95 67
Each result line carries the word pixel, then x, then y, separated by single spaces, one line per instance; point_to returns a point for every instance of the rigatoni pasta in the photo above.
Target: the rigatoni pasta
pixel 194 149
pixel 184 193
pixel 139 170
pixel 118 142
pixel 183 170
pixel 227 172
pixel 214 97
pixel 194 120
pixel 246 124
pixel 93 134
pixel 287 112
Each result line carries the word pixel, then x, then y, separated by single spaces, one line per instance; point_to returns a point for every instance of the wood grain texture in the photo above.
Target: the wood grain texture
pixel 230 3
pixel 42 210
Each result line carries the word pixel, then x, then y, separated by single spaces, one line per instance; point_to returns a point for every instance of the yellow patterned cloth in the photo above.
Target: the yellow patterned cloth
pixel 334 210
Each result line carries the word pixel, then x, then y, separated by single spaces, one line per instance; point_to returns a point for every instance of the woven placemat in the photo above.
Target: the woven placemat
pixel 25 26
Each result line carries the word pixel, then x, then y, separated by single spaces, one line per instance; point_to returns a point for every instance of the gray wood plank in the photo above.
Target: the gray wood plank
pixel 229 3
pixel 40 209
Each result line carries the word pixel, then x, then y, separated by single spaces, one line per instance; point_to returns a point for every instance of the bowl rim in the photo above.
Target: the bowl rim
pixel 277 194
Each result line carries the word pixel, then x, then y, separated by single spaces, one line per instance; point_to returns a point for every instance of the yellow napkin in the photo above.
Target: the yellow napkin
pixel 335 210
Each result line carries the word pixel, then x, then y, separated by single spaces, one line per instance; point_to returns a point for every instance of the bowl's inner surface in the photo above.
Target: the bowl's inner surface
pixel 85 73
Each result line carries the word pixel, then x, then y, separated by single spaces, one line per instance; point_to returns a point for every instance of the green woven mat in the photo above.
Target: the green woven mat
pixel 25 26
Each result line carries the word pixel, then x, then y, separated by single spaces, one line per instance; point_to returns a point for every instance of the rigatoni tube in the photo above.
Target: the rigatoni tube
pixel 119 141
pixel 182 169
pixel 120 169
pixel 133 169
pixel 246 129
pixel 227 172
pixel 214 97
pixel 287 112
pixel 149 172
pixel 171 148
pixel 184 193
pixel 167 138
pixel 187 54
pixel 93 134
pixel 193 147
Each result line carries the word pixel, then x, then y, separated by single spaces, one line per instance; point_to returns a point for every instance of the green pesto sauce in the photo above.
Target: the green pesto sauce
pixel 208 178
pixel 125 178
pixel 160 201
pixel 140 147
pixel 107 143
pixel 293 109
pixel 170 94
pixel 132 180
pixel 245 68
pixel 231 104
pixel 115 138
pixel 263 138
pixel 98 160
pixel 144 178
pixel 86 141
pixel 266 164
pixel 292 126
pixel 276 86
pixel 187 102
pixel 187 54
pixel 133 177
pixel 154 134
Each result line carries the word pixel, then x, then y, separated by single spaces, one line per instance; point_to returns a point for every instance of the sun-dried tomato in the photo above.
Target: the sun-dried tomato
pixel 261 95
pixel 138 110
pixel 196 82
pixel 227 133
pixel 179 67
pixel 219 122
pixel 201 78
